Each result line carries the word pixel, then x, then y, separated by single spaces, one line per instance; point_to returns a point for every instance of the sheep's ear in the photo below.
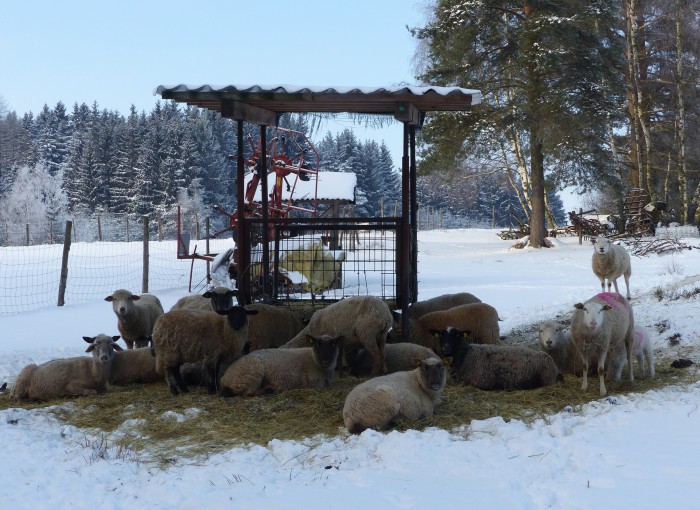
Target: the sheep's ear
pixel 252 312
pixel 116 337
pixel 447 361
pixel 116 346
pixel 579 306
pixel 90 348
pixel 466 333
pixel 135 298
pixel 435 333
pixel 607 307
pixel 89 339
pixel 417 362
pixel 109 298
pixel 207 294
pixel 310 338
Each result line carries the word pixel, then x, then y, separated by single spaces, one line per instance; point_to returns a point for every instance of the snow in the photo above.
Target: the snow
pixel 624 451
pixel 326 186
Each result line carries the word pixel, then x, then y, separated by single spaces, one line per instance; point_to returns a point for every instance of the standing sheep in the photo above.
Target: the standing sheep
pixel 218 298
pixel 188 336
pixel 443 302
pixel 136 316
pixel 479 318
pixel 397 357
pixel 363 321
pixel 642 350
pixel 497 367
pixel 609 262
pixel 70 376
pixel 270 370
pixel 602 326
pixel 406 395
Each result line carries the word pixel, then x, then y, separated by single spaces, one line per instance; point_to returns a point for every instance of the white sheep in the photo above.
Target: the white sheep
pixel 190 336
pixel 642 350
pixel 271 370
pixel 406 395
pixel 555 339
pixel 134 366
pixel 438 303
pixel 82 375
pixel 136 316
pixel 496 367
pixel 603 326
pixel 479 318
pixel 609 262
pixel 363 321
pixel 399 356
pixel 217 298
pixel 273 326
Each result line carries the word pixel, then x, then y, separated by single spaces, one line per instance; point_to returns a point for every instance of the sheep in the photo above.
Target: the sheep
pixel 399 356
pixel 133 366
pixel 642 350
pixel 271 370
pixel 209 338
pixel 609 262
pixel 363 321
pixel 496 367
pixel 82 375
pixel 136 316
pixel 272 327
pixel 555 339
pixel 602 326
pixel 443 302
pixel 218 298
pixel 405 395
pixel 479 318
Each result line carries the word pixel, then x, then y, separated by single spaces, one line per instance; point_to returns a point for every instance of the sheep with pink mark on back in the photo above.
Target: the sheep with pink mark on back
pixel 603 327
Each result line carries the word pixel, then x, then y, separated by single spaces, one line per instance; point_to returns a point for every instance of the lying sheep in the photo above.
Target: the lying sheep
pixel 555 339
pixel 397 357
pixel 270 370
pixel 209 338
pixel 406 395
pixel 363 321
pixel 609 262
pixel 479 318
pixel 273 326
pixel 70 376
pixel 642 350
pixel 218 298
pixel 133 366
pixel 443 302
pixel 496 367
pixel 136 316
pixel 600 327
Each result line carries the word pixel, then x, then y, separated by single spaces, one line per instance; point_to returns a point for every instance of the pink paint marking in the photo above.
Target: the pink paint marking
pixel 638 338
pixel 609 298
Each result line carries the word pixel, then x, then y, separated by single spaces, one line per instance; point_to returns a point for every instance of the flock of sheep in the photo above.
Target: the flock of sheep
pixel 258 349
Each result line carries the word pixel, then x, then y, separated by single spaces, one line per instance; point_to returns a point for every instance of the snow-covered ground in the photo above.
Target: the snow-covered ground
pixel 634 451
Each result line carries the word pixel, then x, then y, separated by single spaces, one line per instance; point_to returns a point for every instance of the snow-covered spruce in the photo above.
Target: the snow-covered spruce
pixel 603 327
pixel 406 395
pixel 134 366
pixel 271 370
pixel 609 262
pixel 479 318
pixel 397 357
pixel 212 339
pixel 273 326
pixel 82 375
pixel 363 321
pixel 555 339
pixel 217 298
pixel 136 316
pixel 438 303
pixel 496 367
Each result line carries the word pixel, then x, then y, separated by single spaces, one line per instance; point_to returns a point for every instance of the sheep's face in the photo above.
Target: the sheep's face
pixel 237 316
pixel 601 245
pixel 325 349
pixel 550 334
pixel 221 298
pixel 102 347
pixel 122 302
pixel 433 372
pixel 593 314
pixel 450 340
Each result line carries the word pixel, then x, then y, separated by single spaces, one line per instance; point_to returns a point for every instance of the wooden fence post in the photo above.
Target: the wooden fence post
pixel 99 229
pixel 64 264
pixel 580 227
pixel 144 281
pixel 26 234
pixel 127 228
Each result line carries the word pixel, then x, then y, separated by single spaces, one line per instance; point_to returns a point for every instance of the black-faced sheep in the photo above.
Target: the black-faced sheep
pixel 218 298
pixel 438 303
pixel 479 318
pixel 188 336
pixel 270 370
pixel 406 395
pixel 603 326
pixel 134 366
pixel 136 316
pixel 400 356
pixel 70 376
pixel 363 321
pixel 609 262
pixel 273 326
pixel 496 367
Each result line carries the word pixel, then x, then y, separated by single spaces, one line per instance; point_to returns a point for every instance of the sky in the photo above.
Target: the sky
pixel 636 450
pixel 118 52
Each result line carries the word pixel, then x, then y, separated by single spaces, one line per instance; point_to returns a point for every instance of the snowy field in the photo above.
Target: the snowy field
pixel 634 451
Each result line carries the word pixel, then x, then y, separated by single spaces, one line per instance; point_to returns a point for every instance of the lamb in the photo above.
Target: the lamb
pixel 210 338
pixel 602 326
pixel 609 262
pixel 218 298
pixel 406 395
pixel 642 350
pixel 133 366
pixel 136 316
pixel 497 367
pixel 555 339
pixel 271 370
pixel 479 318
pixel 273 326
pixel 70 376
pixel 399 356
pixel 363 321
pixel 443 302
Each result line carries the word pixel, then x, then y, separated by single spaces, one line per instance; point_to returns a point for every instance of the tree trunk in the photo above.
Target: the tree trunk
pixel 680 123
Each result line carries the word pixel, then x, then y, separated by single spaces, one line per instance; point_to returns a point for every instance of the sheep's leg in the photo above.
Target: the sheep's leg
pixel 584 384
pixel 175 381
pixel 615 283
pixel 601 373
